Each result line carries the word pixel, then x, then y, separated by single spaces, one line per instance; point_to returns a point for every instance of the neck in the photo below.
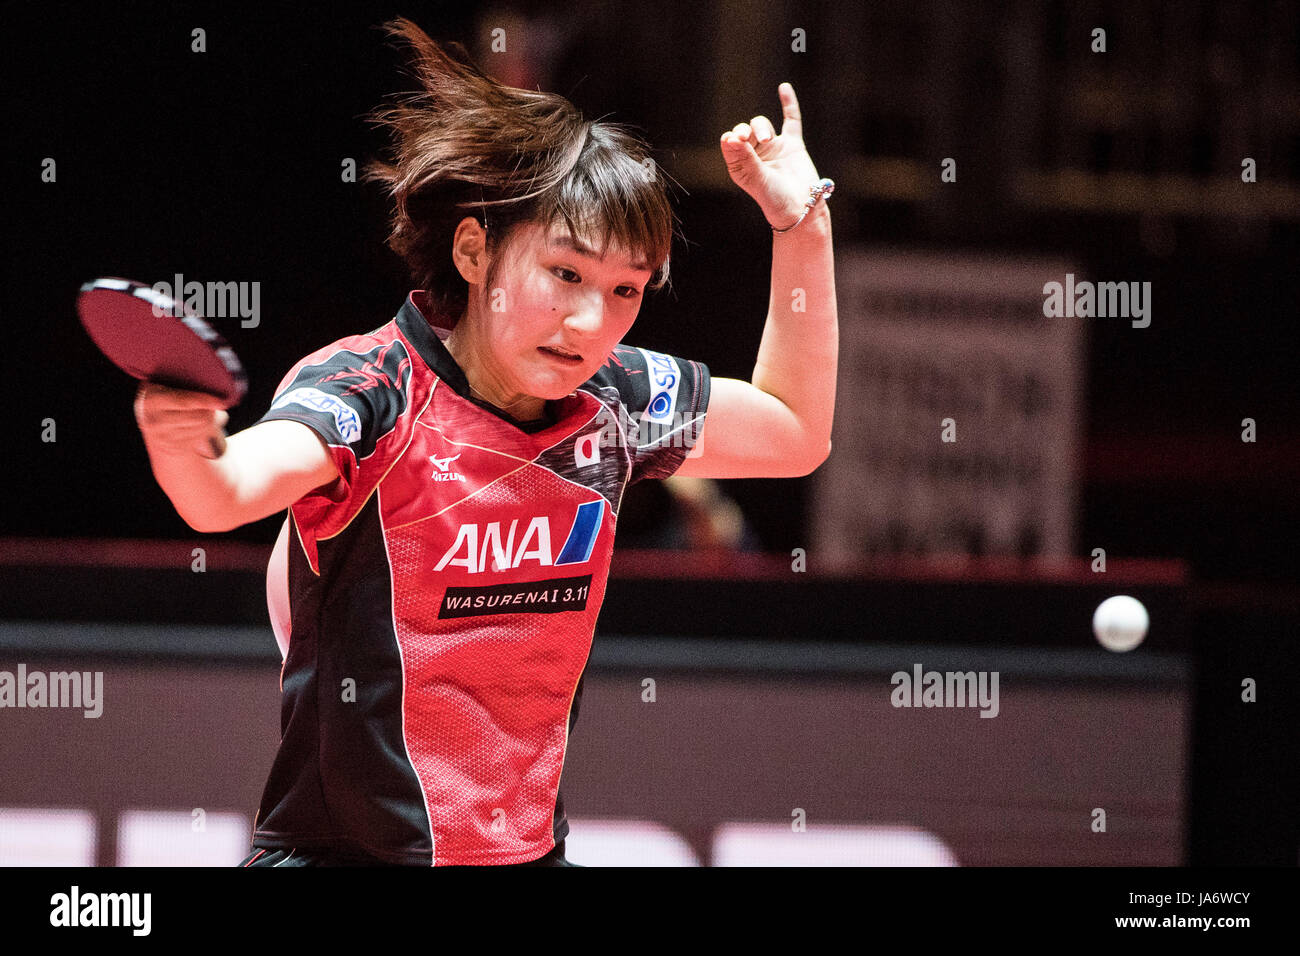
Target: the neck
pixel 465 347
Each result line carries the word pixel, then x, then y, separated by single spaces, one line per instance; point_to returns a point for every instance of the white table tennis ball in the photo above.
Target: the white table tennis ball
pixel 1120 623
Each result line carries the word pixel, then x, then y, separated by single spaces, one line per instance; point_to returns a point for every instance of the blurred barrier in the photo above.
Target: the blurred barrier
pixel 733 711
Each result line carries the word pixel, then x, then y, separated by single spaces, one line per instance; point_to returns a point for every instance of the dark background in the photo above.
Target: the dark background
pixel 226 166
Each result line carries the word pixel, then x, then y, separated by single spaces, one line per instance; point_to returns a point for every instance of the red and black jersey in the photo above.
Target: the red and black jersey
pixel 445 590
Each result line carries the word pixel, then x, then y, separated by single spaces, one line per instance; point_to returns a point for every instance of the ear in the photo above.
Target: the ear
pixel 469 251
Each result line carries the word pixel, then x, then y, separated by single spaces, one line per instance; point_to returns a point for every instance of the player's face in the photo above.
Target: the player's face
pixel 562 308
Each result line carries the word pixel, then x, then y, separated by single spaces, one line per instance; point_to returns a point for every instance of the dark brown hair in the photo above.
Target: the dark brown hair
pixel 464 144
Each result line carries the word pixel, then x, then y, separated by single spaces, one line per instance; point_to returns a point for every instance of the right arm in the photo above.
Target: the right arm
pixel 264 469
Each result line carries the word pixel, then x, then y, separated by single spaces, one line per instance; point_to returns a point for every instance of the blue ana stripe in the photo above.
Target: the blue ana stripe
pixel 582 536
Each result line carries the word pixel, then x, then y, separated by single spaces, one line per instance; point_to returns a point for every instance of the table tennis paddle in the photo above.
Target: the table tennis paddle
pixel 152 337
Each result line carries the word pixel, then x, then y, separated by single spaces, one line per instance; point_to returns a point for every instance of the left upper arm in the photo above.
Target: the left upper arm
pixel 749 433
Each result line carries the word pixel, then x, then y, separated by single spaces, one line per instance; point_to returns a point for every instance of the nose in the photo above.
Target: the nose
pixel 585 317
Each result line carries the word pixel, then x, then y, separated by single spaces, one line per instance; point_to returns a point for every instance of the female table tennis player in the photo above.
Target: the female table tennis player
pixel 453 477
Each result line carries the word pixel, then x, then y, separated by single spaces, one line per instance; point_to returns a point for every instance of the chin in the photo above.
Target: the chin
pixel 556 391
pixel 554 387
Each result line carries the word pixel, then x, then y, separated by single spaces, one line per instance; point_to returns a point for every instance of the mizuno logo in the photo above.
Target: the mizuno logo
pixel 443 464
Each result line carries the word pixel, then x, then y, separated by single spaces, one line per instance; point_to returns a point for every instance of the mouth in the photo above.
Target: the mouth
pixel 564 356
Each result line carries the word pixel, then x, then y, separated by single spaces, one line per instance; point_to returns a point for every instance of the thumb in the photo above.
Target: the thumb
pixel 742 161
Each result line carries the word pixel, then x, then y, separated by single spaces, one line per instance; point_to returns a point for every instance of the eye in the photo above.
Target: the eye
pixel 631 293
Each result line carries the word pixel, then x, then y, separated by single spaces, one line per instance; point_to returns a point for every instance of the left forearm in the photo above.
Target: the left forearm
pixel 800 346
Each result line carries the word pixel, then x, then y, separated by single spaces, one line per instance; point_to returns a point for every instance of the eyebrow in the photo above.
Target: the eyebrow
pixel 568 242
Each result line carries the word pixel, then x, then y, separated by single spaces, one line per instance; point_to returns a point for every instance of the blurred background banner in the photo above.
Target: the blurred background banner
pixel 958 419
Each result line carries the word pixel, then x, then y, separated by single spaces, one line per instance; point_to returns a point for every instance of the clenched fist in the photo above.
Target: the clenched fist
pixel 177 422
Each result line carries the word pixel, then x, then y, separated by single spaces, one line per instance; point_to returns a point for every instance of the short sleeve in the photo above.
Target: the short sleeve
pixel 351 398
pixel 666 399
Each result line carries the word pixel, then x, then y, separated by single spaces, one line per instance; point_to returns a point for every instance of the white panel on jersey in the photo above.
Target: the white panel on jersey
pixel 776 844
pixel 47 837
pixel 182 838
pixel 626 843
pixel 277 591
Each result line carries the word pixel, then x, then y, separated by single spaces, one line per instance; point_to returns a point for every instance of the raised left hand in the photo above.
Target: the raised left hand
pixel 775 170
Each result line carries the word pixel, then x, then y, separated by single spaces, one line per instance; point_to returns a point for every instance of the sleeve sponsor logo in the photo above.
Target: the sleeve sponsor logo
pixel 346 420
pixel 665 377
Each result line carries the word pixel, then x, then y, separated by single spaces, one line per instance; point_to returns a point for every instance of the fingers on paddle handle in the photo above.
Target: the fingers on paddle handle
pixel 217 445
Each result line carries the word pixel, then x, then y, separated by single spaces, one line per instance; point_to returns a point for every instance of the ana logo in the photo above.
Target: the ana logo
pixel 665 376
pixel 586 450
pixel 478 551
pixel 345 419
pixel 442 464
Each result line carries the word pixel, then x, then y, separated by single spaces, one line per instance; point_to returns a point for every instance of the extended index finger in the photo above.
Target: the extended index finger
pixel 792 119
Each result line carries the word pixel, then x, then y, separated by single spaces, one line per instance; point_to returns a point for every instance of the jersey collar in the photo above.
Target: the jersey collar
pixel 426 329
